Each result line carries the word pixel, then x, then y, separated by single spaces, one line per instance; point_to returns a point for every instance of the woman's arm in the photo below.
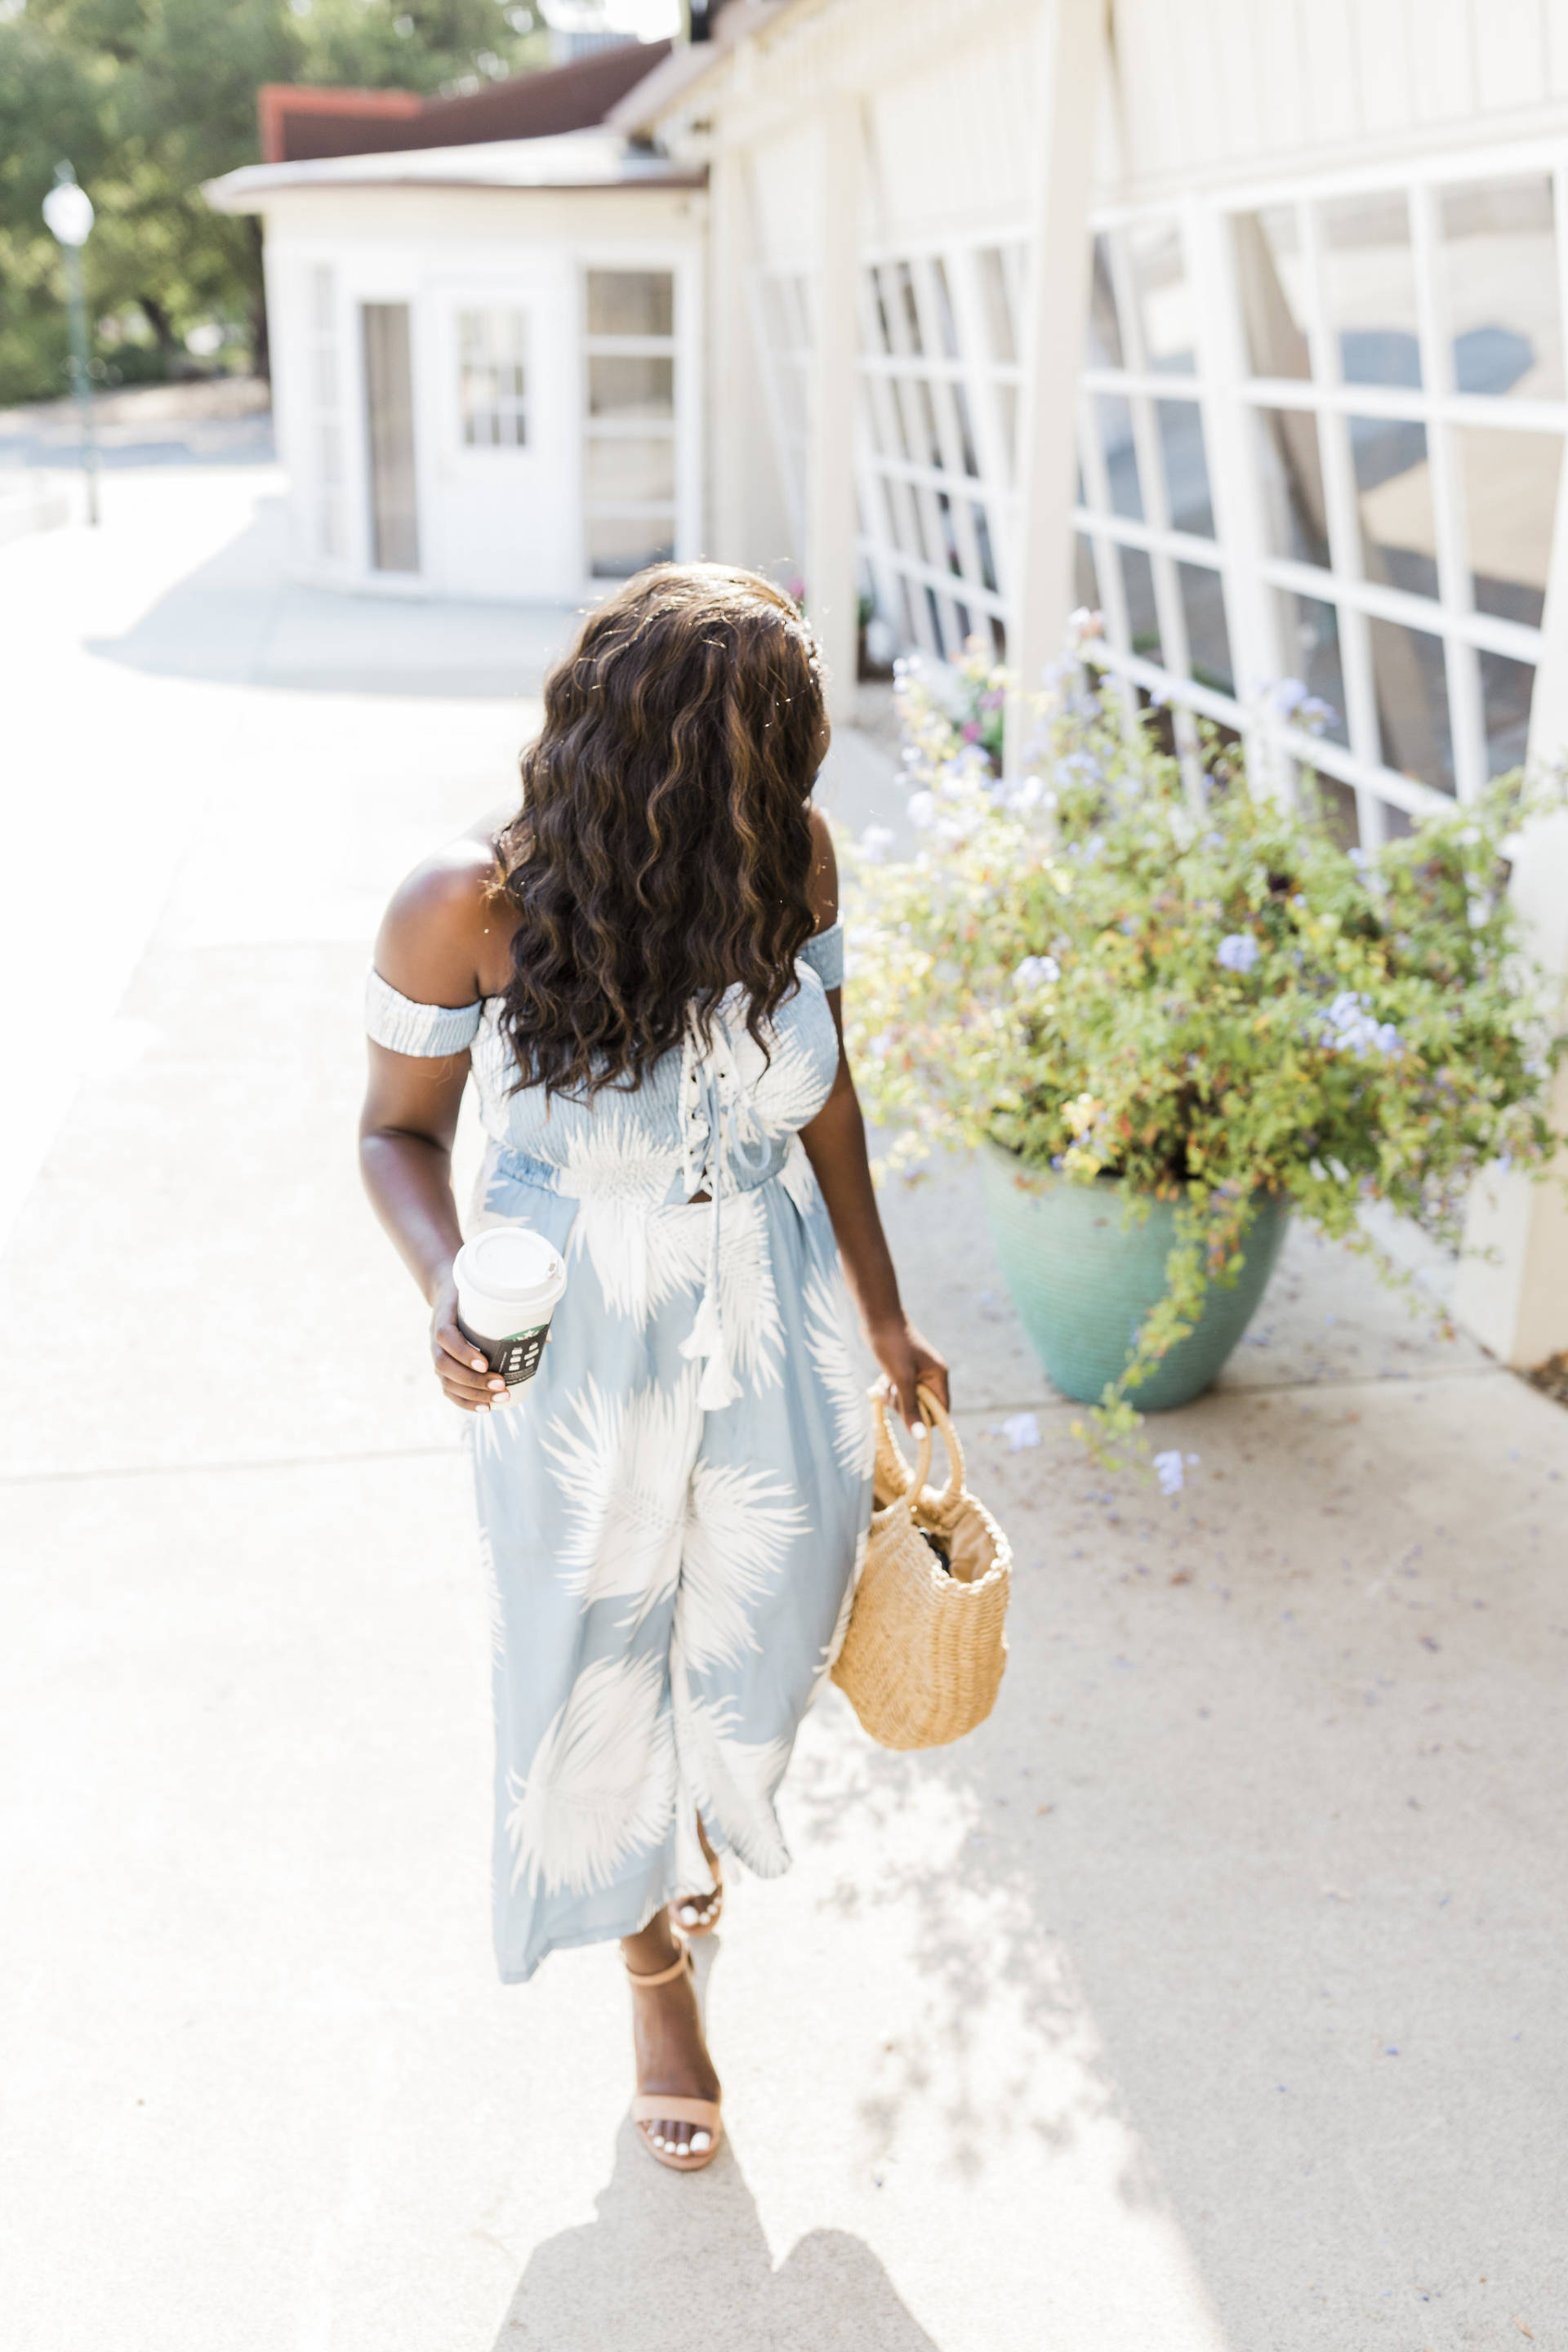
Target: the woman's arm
pixel 427 949
pixel 836 1146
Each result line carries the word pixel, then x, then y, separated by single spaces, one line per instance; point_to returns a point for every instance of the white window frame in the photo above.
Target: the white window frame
pixel 494 306
pixel 1229 398
pixel 899 498
pixel 680 346
pixel 938 605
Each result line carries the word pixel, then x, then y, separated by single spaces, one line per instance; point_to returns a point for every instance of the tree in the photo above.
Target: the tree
pixel 150 98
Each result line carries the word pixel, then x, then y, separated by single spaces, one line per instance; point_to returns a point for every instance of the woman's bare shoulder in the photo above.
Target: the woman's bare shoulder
pixel 822 885
pixel 437 939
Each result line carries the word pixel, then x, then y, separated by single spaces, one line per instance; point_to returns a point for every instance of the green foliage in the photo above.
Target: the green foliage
pixel 149 97
pixel 1199 993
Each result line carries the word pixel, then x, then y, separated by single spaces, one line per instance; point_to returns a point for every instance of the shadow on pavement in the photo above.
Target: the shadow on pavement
pixel 687 2252
pixel 217 441
pixel 241 620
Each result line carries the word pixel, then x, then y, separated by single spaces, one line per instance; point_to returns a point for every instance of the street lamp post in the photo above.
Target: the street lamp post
pixel 67 216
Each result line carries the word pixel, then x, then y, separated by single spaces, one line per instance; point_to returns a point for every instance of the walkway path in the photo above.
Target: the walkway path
pixel 1209 1997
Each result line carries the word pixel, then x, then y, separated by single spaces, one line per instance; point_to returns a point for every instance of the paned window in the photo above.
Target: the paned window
pixel 1404 371
pixel 1319 449
pixel 492 378
pixel 939 336
pixel 1385 442
pixel 935 432
pixel 1146 500
pixel 630 456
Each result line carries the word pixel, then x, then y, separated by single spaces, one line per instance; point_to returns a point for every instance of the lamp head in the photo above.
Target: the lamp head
pixel 68 209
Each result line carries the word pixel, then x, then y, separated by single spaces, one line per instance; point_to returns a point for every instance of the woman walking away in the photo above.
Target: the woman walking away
pixel 641 967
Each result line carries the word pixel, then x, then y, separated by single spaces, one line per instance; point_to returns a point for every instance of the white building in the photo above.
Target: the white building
pixel 1241 320
pixel 486 348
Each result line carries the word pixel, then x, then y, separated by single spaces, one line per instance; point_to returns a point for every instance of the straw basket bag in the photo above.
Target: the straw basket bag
pixel 923 1658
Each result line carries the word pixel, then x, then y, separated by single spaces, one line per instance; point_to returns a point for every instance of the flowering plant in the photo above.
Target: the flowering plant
pixel 961 716
pixel 1111 969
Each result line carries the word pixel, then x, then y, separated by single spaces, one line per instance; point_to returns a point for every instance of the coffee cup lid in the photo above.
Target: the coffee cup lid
pixel 509 1262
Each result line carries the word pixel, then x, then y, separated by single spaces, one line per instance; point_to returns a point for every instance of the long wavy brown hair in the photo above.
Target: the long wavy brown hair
pixel 662 852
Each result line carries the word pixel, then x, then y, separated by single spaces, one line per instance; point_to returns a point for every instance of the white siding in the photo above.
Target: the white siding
pixel 1442 62
pixel 1282 116
pixel 1383 49
pixel 953 145
pixel 1213 89
pixel 1510 59
pixel 1327 36
pixel 787 188
pixel 1239 66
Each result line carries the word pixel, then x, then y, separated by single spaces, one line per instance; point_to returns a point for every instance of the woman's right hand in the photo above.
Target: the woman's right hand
pixel 464 1377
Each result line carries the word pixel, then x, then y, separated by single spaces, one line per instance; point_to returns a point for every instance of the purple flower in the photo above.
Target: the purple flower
pixel 1036 971
pixel 1079 767
pixel 1237 951
pixel 1351 1025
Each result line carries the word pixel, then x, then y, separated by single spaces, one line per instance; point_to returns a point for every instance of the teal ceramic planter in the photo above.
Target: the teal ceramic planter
pixel 1082 1281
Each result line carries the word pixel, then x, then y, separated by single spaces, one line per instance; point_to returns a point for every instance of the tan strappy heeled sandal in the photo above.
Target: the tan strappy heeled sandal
pixel 669 2106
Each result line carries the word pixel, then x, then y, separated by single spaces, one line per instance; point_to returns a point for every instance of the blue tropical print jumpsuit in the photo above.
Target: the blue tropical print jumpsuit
pixel 673 1511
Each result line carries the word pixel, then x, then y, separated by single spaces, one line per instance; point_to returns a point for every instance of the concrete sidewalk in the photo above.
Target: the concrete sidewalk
pixel 1209 1997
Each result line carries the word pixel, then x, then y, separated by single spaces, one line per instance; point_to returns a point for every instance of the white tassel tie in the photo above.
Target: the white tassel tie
pixel 710 1091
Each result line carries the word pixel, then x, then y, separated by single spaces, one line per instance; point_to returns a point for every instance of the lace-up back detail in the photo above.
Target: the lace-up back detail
pixel 744 1104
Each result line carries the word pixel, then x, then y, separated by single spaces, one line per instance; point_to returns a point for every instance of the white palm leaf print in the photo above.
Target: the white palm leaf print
pixel 617 1169
pixel 753 1328
pixel 791 1089
pixel 620 1463
pixel 788 1089
pixel 799 1178
pixel 740 1525
pixel 600 1787
pixel 828 1338
pixel 677 1253
pixel 733 1781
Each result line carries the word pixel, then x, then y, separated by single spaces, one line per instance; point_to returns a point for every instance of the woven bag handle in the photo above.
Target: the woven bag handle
pixel 935 1412
pixel 915 1480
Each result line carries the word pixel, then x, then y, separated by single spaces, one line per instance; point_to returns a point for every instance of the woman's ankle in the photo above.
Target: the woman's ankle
pixel 653 1947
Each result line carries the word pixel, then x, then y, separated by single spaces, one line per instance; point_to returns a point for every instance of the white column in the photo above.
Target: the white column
pixel 735 396
pixel 1512 1288
pixel 830 527
pixel 1069 75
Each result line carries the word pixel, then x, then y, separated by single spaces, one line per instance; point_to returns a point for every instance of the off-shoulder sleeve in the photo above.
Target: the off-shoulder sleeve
pixel 825 953
pixel 409 1028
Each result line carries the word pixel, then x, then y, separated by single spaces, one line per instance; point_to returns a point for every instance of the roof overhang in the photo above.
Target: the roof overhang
pixel 672 85
pixel 575 159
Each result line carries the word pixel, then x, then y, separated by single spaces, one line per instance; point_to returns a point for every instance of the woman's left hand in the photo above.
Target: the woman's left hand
pixel 909 1364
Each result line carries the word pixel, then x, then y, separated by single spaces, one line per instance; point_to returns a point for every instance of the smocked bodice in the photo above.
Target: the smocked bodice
pixel 722 1107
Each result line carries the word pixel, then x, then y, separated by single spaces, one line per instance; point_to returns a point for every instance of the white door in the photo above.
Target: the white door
pixel 503 356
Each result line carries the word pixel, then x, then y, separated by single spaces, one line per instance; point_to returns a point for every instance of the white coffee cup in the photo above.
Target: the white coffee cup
pixel 510 1282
